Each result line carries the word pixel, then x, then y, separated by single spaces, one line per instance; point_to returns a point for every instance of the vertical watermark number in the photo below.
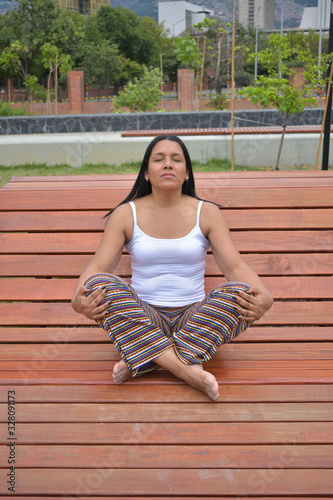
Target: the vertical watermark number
pixel 11 481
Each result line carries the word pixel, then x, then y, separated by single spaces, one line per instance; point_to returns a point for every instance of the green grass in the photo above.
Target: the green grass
pixel 214 165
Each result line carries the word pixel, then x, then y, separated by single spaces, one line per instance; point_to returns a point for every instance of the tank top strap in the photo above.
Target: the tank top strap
pixel 134 211
pixel 198 212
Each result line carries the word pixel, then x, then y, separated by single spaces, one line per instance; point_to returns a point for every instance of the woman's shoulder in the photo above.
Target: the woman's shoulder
pixel 121 221
pixel 121 216
pixel 210 217
pixel 210 209
pixel 121 211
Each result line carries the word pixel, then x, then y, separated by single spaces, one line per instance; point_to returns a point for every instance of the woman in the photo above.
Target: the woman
pixel 164 318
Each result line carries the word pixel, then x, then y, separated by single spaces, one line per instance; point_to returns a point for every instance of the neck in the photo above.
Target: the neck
pixel 166 199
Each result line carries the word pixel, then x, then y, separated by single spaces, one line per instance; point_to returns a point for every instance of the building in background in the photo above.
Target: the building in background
pixel 311 16
pixel 83 6
pixel 180 16
pixel 264 10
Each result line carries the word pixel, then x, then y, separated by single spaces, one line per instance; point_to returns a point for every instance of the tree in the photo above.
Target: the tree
pixel 276 88
pixel 143 94
pixel 125 29
pixel 190 56
pixel 129 71
pixel 202 51
pixel 31 84
pixel 54 61
pixel 69 33
pixel 36 22
pixel 11 61
pixel 101 64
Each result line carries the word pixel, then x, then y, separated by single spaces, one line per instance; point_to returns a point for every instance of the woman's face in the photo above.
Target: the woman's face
pixel 167 165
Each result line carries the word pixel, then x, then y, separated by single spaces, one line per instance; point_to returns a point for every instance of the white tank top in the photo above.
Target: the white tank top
pixel 168 272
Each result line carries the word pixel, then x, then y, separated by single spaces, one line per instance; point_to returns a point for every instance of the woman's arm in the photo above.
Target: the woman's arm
pixel 117 231
pixel 258 300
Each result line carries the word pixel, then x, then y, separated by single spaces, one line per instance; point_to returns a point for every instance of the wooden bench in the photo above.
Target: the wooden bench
pixel 291 129
pixel 270 434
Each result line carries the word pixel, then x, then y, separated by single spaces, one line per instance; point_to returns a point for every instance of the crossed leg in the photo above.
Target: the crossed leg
pixel 129 326
pixel 194 374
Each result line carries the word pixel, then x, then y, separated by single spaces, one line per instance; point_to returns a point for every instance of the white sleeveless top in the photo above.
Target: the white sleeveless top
pixel 168 272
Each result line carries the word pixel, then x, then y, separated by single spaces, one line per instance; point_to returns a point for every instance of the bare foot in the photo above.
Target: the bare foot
pixel 120 372
pixel 194 374
pixel 198 378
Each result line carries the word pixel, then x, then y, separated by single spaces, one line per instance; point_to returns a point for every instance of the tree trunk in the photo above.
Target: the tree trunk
pixel 217 76
pixel 48 90
pixel 58 88
pixel 281 141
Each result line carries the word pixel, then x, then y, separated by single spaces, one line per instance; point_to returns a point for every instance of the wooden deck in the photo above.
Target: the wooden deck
pixel 269 435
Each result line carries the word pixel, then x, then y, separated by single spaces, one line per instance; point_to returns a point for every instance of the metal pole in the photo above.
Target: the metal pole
pixel 327 128
pixel 320 30
pixel 233 86
pixel 282 3
pixel 256 59
pixel 228 69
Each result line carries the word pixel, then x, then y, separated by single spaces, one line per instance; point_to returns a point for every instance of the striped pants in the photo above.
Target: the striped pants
pixel 141 332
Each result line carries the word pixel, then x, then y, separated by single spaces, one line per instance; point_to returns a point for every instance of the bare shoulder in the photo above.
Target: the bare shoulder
pixel 211 217
pixel 121 220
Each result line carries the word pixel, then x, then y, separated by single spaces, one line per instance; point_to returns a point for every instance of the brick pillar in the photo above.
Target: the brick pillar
pixel 75 91
pixel 297 79
pixel 186 89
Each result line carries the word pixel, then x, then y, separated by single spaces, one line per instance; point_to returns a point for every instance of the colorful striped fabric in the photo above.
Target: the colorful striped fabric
pixel 142 332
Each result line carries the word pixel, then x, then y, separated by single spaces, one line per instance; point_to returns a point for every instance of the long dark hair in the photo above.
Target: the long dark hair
pixel 142 188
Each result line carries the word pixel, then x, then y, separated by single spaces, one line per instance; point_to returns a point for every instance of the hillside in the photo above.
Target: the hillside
pixel 293 9
pixel 6 6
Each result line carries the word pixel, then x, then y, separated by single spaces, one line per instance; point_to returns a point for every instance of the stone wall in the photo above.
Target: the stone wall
pixel 150 121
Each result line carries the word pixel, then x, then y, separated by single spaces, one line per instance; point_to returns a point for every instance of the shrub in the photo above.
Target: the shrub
pixel 7 110
pixel 243 79
pixel 40 93
pixel 218 102
pixel 143 94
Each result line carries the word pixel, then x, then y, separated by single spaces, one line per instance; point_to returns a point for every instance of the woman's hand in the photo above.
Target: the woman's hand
pixel 90 306
pixel 253 307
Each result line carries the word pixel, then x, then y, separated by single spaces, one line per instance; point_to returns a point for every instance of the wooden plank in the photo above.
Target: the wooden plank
pixel 234 351
pixel 223 363
pixel 290 287
pixel 128 393
pixel 172 481
pixel 62 265
pixel 237 179
pixel 293 218
pixel 203 182
pixel 54 221
pixel 285 264
pixel 237 376
pixel 94 334
pixel 218 433
pixel 68 221
pixel 104 199
pixel 175 456
pixel 292 175
pixel 51 314
pixel 282 287
pixel 168 412
pixel 87 243
pixel 65 497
